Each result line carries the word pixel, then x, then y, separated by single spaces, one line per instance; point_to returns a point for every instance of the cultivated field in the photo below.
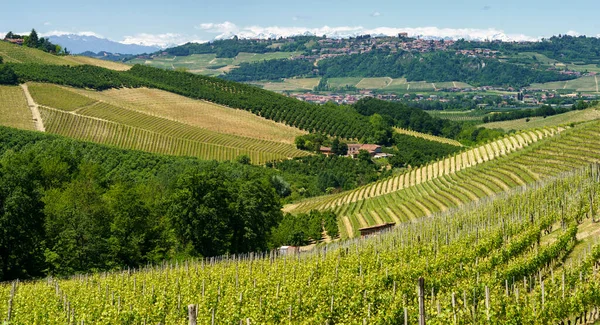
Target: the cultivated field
pixel 147 120
pixel 373 83
pixel 428 137
pixel 583 84
pixel 518 258
pixel 540 122
pixel 196 113
pixel 457 115
pixel 14 111
pixel 466 177
pixel 58 97
pixel 342 82
pixel 100 63
pixel 209 64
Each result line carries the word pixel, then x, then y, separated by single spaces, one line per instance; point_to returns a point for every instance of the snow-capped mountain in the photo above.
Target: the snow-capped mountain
pixel 79 43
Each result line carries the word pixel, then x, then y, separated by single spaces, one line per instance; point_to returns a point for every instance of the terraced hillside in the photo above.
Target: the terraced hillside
pixel 20 54
pixel 466 159
pixel 14 111
pixel 428 137
pixel 456 181
pixel 69 113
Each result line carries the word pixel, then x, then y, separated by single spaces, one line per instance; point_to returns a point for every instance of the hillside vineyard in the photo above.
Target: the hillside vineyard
pixel 139 195
pixel 497 261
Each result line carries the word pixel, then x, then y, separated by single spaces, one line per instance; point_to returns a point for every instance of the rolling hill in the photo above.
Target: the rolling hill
pixel 464 178
pixel 458 266
pixel 147 120
pixel 20 54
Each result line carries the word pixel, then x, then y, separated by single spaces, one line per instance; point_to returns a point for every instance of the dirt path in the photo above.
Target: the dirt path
pixel 35 111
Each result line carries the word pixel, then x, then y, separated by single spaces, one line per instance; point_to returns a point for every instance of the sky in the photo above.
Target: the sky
pixel 178 21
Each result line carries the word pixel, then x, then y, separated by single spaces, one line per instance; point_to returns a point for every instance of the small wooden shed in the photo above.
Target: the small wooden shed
pixel 375 229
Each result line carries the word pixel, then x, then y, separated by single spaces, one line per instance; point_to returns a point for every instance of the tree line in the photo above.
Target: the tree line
pixel 69 207
pixel 564 48
pixel 271 70
pixel 401 115
pixel 230 48
pixel 430 67
pixel 34 41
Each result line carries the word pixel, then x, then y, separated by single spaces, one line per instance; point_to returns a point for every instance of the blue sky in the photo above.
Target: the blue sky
pixel 176 21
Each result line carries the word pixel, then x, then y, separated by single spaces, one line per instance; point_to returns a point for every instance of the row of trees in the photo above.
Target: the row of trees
pixel 34 41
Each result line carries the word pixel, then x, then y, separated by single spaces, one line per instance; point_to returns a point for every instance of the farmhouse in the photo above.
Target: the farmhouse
pixel 17 41
pixel 367 231
pixel 373 149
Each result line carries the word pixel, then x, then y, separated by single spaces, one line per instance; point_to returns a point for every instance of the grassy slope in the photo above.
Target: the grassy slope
pixel 197 113
pixel 13 108
pixel 128 123
pixel 21 54
pixel 539 122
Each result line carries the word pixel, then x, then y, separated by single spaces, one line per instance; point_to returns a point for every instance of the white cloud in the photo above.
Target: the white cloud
pixel 573 33
pixel 63 33
pixel 47 23
pixel 225 27
pixel 376 14
pixel 160 40
pixel 229 29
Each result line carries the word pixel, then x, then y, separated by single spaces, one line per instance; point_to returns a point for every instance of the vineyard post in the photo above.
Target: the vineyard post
pixel 421 301
pixel 405 316
pixel 10 301
pixel 454 307
pixel 563 285
pixel 487 302
pixel 543 294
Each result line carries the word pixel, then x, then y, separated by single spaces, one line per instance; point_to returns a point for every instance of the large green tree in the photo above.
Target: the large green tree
pixel 21 218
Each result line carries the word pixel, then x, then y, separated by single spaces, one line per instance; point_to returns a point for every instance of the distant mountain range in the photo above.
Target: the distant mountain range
pixel 77 44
